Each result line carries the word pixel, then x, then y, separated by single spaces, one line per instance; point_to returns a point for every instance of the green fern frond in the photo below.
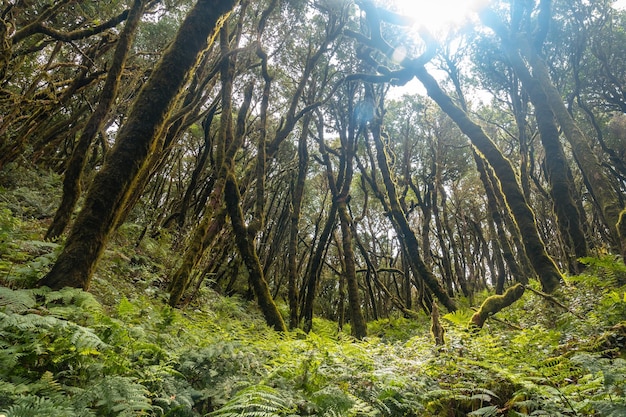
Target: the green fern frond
pixel 31 405
pixel 16 301
pixel 460 317
pixel 116 395
pixel 256 401
pixel 73 297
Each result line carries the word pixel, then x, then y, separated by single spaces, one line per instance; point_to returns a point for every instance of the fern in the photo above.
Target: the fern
pixel 116 396
pixel 12 301
pixel 31 405
pixel 256 401
pixel 459 317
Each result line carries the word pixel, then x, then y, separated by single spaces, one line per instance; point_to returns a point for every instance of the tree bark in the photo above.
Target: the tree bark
pixel 405 233
pixel 542 263
pixel 496 303
pixel 136 140
pixel 249 256
pixel 296 208
pixel 73 172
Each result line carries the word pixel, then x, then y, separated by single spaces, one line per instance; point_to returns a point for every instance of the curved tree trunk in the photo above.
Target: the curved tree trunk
pixel 542 263
pixel 249 256
pixel 73 172
pixel 136 140
pixel 405 233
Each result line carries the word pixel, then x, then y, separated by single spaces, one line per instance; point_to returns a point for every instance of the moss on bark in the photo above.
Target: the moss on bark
pixel 494 304
pixel 136 140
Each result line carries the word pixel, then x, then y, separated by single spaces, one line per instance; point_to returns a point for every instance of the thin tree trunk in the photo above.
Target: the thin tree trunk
pixel 249 256
pixel 359 326
pixel 136 140
pixel 296 207
pixel 405 233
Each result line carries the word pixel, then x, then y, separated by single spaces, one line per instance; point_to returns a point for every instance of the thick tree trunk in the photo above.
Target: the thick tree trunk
pixel 73 172
pixel 562 188
pixel 136 140
pixel 597 181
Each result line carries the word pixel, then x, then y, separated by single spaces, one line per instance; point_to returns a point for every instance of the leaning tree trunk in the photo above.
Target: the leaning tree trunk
pixel 73 172
pixel 110 189
pixel 590 166
pixel 562 188
pixel 248 254
pixel 596 180
pixel 542 263
pixel 405 233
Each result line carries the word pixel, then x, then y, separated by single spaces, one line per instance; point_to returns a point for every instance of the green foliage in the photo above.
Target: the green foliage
pixel 256 401
pixel 63 353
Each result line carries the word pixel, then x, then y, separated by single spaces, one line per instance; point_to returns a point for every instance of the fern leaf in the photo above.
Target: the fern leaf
pixel 460 317
pixel 256 401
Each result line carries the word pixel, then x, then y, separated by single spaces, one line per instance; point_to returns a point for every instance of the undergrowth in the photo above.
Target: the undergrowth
pixel 121 351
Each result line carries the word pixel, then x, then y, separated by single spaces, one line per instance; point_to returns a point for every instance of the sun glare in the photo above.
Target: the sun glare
pixel 438 16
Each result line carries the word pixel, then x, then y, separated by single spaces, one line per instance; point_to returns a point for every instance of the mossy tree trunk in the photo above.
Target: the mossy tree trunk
pixel 494 211
pixel 596 180
pixel 542 263
pixel 404 232
pixel 294 227
pixel 496 303
pixel 76 164
pixel 562 187
pixel 136 140
pixel 249 256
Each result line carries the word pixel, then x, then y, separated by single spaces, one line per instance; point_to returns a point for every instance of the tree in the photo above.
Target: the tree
pixel 136 140
pixel 543 264
pixel 75 166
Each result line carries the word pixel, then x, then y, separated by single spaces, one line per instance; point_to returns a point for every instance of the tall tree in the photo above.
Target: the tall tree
pixel 76 164
pixel 136 140
pixel 544 265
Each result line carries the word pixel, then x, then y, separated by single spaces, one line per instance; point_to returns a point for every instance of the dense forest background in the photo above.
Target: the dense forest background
pixel 241 207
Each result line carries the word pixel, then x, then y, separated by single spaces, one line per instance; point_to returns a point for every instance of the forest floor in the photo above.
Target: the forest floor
pixel 119 350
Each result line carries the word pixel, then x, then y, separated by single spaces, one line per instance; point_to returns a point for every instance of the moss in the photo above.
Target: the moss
pixel 494 304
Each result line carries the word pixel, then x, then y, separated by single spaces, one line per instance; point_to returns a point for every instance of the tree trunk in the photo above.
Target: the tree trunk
pixel 359 326
pixel 542 263
pixel 405 233
pixel 136 140
pixel 296 206
pixel 73 172
pixel 249 256
pixel 593 172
